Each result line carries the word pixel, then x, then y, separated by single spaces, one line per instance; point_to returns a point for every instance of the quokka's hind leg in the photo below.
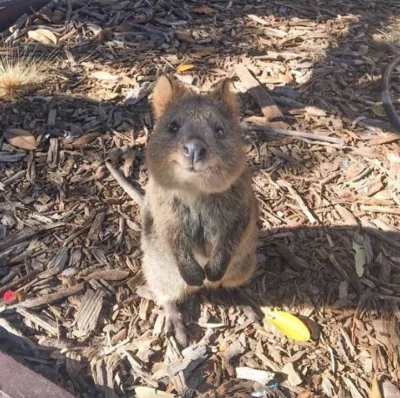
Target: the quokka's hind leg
pixel 174 323
pixel 167 286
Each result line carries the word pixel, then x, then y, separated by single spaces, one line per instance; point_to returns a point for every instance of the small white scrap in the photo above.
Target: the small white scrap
pixel 261 376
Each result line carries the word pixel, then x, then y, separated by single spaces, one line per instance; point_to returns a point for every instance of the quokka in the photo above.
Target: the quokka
pixel 199 218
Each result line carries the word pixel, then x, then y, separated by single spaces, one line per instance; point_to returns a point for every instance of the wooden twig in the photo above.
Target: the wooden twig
pixel 268 107
pixel 299 200
pixel 133 193
pixel 292 133
pixel 387 102
pixel 50 298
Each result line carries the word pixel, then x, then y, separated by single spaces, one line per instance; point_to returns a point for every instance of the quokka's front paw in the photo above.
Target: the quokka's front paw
pixel 213 272
pixel 192 274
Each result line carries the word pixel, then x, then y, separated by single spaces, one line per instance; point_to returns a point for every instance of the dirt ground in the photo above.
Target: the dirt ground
pixel 328 186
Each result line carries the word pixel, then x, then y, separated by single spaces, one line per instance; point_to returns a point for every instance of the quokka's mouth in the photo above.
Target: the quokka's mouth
pixel 196 168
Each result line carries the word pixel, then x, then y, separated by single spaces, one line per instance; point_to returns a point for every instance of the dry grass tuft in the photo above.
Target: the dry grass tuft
pixel 20 74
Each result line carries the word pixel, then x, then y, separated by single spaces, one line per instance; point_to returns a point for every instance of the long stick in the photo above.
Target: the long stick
pixel 387 102
pixel 50 298
pixel 125 185
pixel 273 130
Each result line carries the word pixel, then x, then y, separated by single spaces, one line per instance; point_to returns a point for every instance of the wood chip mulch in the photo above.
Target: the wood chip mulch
pixel 326 172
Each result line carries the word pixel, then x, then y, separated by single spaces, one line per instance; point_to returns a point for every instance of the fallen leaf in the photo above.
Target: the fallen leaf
pixel 375 390
pixel 148 392
pixel 21 139
pixel 103 75
pixel 184 67
pixel 43 36
pixel 288 324
pixel 378 110
pixel 203 10
pixel 360 258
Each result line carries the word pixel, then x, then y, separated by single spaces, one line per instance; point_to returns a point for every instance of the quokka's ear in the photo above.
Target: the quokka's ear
pixel 223 92
pixel 165 91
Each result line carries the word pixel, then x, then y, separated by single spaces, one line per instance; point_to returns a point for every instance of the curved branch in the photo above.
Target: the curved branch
pixel 387 102
pixel 133 193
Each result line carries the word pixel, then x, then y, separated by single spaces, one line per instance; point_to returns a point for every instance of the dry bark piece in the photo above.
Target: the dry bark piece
pixel 135 282
pixel 259 93
pixel 88 313
pixel 352 388
pixel 95 229
pixel 294 378
pixel 26 234
pixel 50 326
pixel 173 354
pixel 11 158
pixel 106 274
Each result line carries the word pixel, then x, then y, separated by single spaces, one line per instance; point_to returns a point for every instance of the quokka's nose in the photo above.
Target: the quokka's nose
pixel 195 150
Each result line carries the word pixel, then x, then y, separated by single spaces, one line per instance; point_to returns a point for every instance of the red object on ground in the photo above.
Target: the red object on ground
pixel 9 296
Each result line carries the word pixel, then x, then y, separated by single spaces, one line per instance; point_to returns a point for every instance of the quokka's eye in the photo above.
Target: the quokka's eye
pixel 173 128
pixel 218 133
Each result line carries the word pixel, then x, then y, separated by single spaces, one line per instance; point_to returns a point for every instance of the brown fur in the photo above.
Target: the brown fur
pixel 199 220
